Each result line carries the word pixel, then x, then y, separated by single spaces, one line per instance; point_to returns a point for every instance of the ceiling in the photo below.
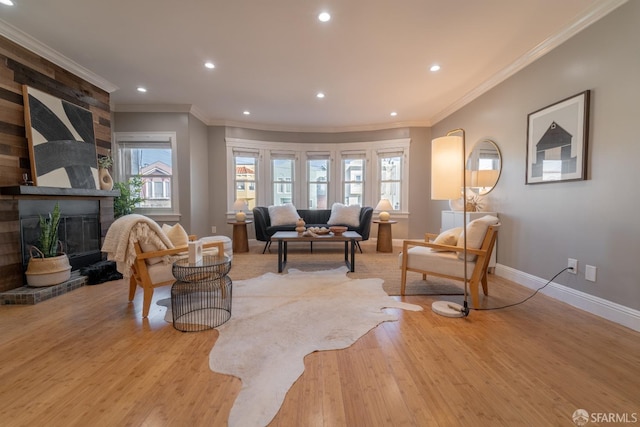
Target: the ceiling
pixel 272 57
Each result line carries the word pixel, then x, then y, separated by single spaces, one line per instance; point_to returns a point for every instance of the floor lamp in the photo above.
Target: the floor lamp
pixel 448 180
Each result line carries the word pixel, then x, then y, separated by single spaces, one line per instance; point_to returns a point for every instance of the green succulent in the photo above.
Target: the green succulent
pixel 48 242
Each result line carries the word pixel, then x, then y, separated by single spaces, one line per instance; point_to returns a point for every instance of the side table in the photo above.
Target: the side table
pixel 201 295
pixel 240 238
pixel 385 242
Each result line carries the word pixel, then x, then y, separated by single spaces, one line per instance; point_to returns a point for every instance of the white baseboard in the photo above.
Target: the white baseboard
pixel 595 305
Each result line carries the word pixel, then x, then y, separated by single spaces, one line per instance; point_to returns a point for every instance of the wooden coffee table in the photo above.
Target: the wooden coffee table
pixel 348 237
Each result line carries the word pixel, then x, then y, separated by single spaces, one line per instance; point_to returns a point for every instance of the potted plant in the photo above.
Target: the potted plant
pixel 129 197
pixel 48 265
pixel 104 164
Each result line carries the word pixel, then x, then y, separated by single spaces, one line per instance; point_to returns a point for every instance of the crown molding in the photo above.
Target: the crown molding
pixel 26 41
pixel 151 108
pixel 323 129
pixel 591 15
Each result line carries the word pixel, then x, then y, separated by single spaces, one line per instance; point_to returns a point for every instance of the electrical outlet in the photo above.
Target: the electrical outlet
pixel 590 273
pixel 213 229
pixel 573 263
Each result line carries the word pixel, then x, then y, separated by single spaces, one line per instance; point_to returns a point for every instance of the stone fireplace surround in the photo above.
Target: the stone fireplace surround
pixel 87 214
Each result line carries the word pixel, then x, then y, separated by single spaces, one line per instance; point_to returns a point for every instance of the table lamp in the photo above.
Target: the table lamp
pixel 383 206
pixel 239 206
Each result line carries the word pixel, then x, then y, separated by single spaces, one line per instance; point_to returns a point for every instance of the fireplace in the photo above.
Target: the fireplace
pixel 87 214
pixel 79 230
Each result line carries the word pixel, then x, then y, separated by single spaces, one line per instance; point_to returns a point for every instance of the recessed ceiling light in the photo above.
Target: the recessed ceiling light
pixel 209 65
pixel 141 89
pixel 7 2
pixel 324 16
pixel 246 113
pixel 393 114
pixel 320 95
pixel 435 68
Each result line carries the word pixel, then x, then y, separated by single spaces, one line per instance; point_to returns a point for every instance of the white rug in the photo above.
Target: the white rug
pixel 277 320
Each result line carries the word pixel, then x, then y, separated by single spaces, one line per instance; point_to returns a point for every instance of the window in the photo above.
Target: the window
pixel 282 177
pixel 150 156
pixel 390 166
pixel 353 173
pixel 246 165
pixel 318 180
pixel 267 173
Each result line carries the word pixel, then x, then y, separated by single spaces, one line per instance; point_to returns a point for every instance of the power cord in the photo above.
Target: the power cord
pixel 527 298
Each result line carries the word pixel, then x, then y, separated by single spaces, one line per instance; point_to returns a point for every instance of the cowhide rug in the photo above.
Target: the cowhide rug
pixel 278 319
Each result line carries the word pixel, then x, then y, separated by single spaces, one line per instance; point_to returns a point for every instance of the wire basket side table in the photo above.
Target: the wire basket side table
pixel 201 295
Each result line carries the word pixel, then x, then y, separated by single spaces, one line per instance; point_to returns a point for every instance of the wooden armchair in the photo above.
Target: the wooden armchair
pixel 144 253
pixel 150 276
pixel 447 260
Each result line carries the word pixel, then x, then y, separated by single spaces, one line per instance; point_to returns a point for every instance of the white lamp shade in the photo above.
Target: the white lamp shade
pixel 383 206
pixel 447 167
pixel 239 205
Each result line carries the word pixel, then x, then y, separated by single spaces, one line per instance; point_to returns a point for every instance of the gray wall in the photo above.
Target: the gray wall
pixel 593 220
pixel 199 178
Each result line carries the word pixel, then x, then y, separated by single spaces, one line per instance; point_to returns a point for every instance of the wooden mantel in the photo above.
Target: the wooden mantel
pixel 30 190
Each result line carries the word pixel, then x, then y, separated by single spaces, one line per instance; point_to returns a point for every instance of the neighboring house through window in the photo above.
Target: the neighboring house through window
pixel 150 155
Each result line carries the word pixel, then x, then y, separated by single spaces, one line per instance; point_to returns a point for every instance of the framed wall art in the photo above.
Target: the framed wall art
pixel 62 144
pixel 557 138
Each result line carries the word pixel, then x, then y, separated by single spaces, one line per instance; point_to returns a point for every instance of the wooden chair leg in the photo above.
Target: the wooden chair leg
pixel 475 298
pixel 403 281
pixel 146 301
pixel 485 284
pixel 133 284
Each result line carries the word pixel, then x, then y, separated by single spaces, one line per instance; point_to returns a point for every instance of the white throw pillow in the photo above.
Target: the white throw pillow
pixel 447 237
pixel 177 234
pixel 476 231
pixel 283 215
pixel 345 215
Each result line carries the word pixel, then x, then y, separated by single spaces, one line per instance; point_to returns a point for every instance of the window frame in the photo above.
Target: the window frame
pixel 148 139
pixel 371 180
pixel 347 155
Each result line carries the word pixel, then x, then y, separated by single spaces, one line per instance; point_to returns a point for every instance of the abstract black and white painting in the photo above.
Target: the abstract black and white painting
pixel 62 144
pixel 557 138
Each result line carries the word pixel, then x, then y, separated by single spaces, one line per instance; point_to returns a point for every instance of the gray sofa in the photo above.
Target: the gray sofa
pixel 312 218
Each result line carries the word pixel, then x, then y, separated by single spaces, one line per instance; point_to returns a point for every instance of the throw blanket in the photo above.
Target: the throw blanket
pixel 125 232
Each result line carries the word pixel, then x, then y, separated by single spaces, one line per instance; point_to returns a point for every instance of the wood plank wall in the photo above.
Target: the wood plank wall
pixel 20 66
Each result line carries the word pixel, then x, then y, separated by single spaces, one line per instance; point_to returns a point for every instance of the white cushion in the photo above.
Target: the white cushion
pixel 161 272
pixel 283 215
pixel 228 245
pixel 177 234
pixel 446 263
pixel 448 237
pixel 345 215
pixel 476 231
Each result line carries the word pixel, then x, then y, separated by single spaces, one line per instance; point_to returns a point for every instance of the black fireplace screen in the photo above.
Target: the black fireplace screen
pixel 79 230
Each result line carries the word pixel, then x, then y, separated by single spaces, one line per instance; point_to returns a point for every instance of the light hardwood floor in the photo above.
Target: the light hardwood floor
pixel 87 359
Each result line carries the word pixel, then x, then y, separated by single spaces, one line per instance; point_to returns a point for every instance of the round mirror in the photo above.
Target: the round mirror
pixel 483 167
